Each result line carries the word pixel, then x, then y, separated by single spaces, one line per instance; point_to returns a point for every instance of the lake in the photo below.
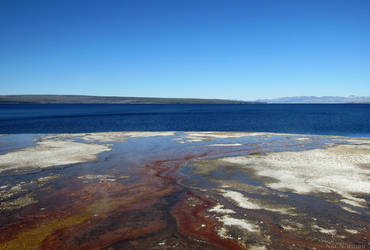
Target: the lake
pixel 329 119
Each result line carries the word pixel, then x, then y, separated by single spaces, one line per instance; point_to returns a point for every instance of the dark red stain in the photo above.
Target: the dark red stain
pixel 190 218
pixel 143 216
pixel 123 222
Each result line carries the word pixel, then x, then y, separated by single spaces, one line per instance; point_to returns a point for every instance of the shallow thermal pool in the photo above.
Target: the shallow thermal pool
pixel 184 190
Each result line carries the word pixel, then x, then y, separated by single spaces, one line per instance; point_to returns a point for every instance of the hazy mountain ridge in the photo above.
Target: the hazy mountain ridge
pixel 318 99
pixel 84 99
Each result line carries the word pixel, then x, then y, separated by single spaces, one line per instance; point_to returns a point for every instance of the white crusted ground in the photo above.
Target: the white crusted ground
pixel 108 136
pixel 245 202
pixel 148 134
pixel 336 170
pixel 50 153
pixel 206 136
pixel 324 230
pixel 221 210
pixel 98 177
pixel 230 221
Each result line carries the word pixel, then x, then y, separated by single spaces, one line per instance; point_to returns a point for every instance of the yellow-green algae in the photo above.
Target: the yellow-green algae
pixel 33 237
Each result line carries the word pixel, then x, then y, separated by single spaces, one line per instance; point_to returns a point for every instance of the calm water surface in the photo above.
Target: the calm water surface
pixel 330 119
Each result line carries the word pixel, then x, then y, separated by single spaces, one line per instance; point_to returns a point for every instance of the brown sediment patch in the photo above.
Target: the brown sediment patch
pixel 206 167
pixel 351 149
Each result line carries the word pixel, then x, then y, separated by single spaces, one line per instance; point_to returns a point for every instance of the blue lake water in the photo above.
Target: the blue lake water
pixel 329 119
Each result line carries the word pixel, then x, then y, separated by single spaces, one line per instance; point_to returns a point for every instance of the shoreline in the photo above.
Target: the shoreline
pixel 232 190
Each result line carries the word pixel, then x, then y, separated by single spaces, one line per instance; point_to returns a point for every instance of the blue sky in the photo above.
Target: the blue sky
pixel 185 48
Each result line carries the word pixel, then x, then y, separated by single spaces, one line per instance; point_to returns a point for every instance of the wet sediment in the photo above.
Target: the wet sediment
pixel 185 191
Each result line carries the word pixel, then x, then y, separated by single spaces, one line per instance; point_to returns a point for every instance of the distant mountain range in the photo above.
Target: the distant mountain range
pixel 316 99
pixel 84 99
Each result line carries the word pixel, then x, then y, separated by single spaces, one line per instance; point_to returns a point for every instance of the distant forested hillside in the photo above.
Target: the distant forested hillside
pixel 83 99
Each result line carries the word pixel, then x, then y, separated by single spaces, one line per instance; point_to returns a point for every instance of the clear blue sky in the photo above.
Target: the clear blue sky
pixel 185 48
